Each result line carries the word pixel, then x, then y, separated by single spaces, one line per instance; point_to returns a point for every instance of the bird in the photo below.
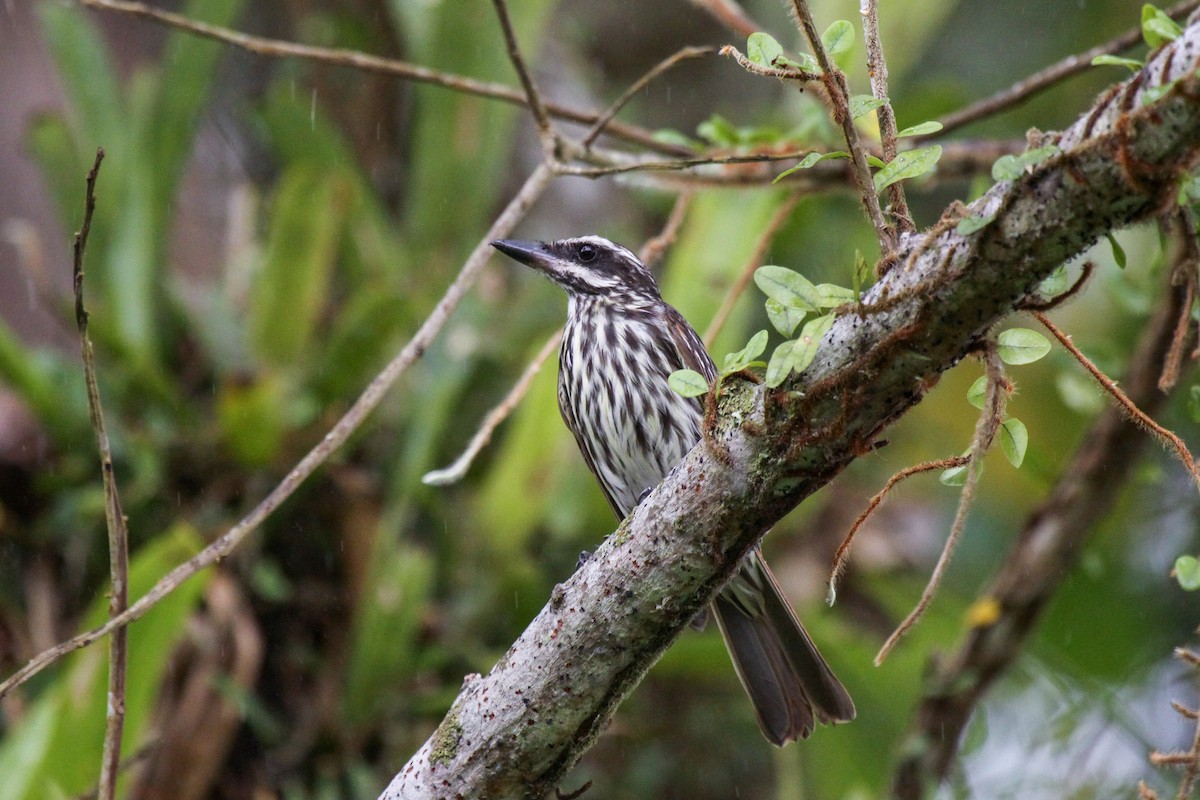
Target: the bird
pixel 620 344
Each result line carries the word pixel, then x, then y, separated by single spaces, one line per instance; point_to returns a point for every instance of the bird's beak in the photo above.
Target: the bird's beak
pixel 531 254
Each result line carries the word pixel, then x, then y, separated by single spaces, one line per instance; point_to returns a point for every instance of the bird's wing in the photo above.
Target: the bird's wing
pixel 690 349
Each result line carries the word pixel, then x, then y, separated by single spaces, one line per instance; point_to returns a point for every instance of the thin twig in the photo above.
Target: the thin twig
pixel 114 518
pixel 667 63
pixel 654 248
pixel 456 471
pixel 1186 270
pixel 985 433
pixel 533 187
pixel 839 96
pixel 731 15
pixel 1135 414
pixel 842 556
pixel 752 263
pixel 545 130
pixel 1072 65
pixel 784 73
pixel 886 115
pixel 277 48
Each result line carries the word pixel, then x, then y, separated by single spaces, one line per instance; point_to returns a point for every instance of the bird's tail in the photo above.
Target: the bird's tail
pixel 784 674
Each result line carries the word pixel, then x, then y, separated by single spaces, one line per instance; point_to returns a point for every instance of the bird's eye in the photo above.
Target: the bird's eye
pixel 587 252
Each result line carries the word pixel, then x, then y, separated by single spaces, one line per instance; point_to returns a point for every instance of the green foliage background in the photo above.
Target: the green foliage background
pixel 373 594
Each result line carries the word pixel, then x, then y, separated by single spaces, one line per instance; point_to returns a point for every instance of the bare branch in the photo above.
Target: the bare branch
pixel 118 534
pixel 877 70
pixel 277 48
pixel 1044 79
pixel 456 471
pixel 842 555
pixel 1127 406
pixel 337 436
pixel 730 14
pixel 839 97
pixel 545 132
pixel 986 427
pixel 667 63
pixel 1038 563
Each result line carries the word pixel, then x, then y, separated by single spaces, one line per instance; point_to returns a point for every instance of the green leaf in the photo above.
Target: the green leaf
pixel 1158 28
pixel 809 160
pixel 957 476
pixel 969 225
pixel 863 104
pixel 909 164
pixel 1021 346
pixel 1187 572
pixel 1009 168
pixel 807 63
pixel 762 49
pixel 876 161
pixel 1194 403
pixel 838 38
pixel 718 131
pixel 1055 283
pixel 1116 61
pixel 735 362
pixel 862 273
pixel 1118 252
pixel 829 295
pixel 687 382
pixel 784 318
pixel 672 136
pixel 922 129
pixel 977 394
pixel 786 286
pixel 805 349
pixel 781 364
pixel 1014 440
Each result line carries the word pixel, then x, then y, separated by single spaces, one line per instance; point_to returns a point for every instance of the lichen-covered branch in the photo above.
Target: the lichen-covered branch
pixel 515 732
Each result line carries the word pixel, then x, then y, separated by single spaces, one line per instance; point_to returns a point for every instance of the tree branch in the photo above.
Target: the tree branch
pixel 516 732
pixel 1039 562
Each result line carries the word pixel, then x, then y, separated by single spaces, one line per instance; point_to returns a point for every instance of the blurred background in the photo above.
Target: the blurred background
pixel 270 232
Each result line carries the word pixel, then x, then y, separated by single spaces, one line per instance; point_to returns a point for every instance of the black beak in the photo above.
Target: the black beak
pixel 531 254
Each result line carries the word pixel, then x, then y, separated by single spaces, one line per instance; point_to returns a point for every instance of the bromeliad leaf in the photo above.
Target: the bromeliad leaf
pixel 786 286
pixel 863 104
pixel 1021 346
pixel 1014 439
pixel 687 382
pixel 909 164
pixel 747 356
pixel 784 318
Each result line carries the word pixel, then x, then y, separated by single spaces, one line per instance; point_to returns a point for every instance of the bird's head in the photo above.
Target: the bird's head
pixel 588 265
